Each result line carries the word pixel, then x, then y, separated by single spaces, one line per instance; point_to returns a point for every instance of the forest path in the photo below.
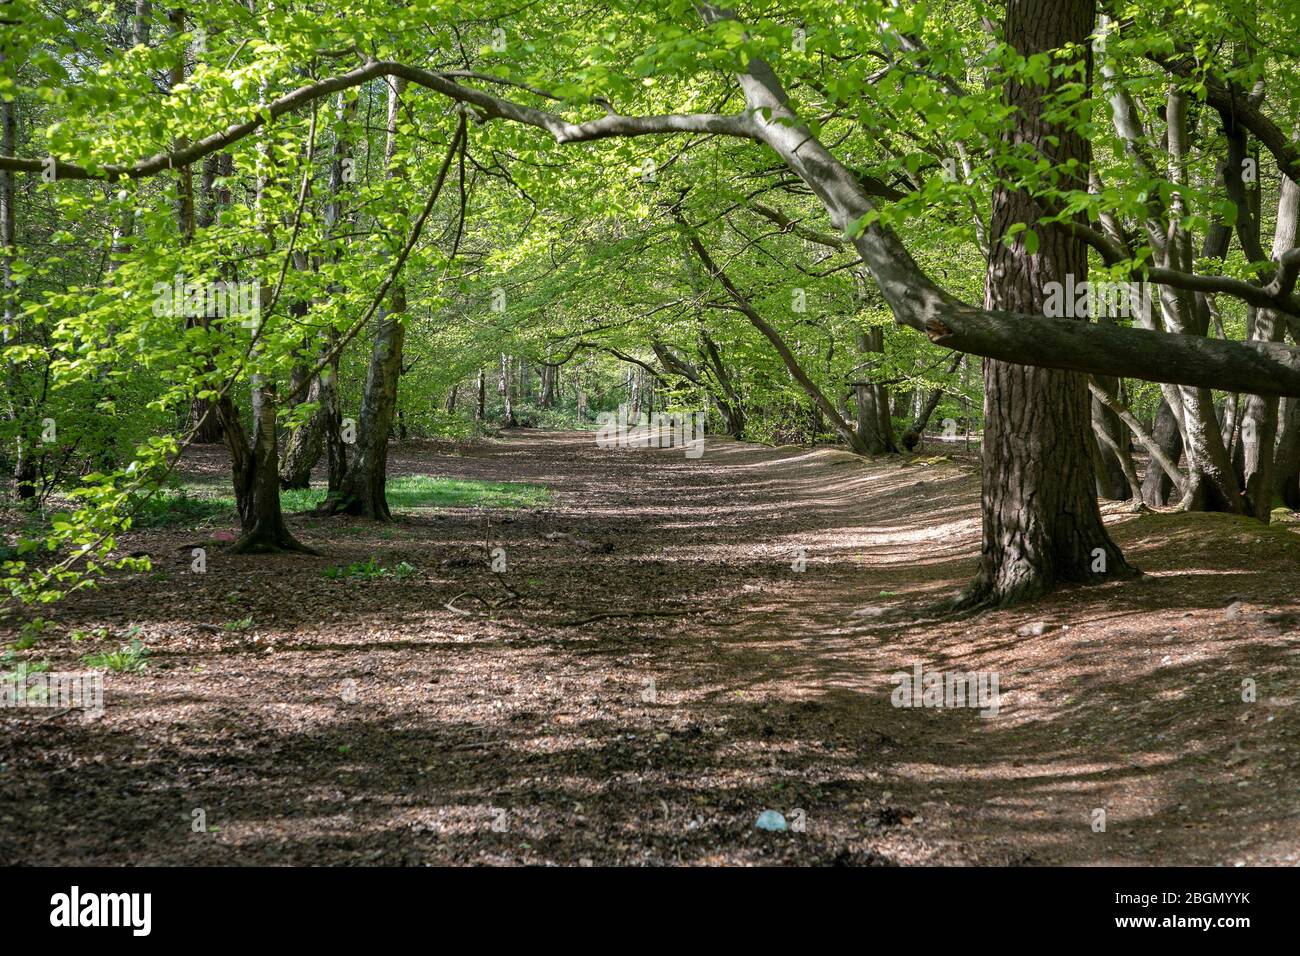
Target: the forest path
pixel 651 672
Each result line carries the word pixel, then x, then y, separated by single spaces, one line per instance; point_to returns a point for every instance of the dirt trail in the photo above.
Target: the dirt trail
pixel 651 672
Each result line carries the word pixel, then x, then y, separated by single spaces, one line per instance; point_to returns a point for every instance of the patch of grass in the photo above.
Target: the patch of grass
pixel 127 659
pixel 31 632
pixel 405 493
pixel 243 624
pixel 181 509
pixel 20 673
pixel 370 568
pixel 425 491
pixel 10 659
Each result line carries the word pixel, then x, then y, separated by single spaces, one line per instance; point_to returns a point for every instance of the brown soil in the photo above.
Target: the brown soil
pixel 395 721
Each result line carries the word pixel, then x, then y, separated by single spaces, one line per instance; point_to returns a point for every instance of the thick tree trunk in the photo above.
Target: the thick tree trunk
pixel 262 522
pixel 1212 483
pixel 362 491
pixel 1041 522
pixel 875 426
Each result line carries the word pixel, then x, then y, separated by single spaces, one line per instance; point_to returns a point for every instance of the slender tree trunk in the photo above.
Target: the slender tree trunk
pixel 19 405
pixel 547 398
pixel 1286 466
pixel 1260 421
pixel 1041 522
pixel 1212 484
pixel 481 396
pixel 362 491
pixel 503 392
pixel 258 469
pixel 1114 449
pixel 1113 460
pixel 336 449
pixel 205 419
pixel 912 434
pixel 323 432
pixel 733 419
pixel 1158 488
pixel 821 405
pixel 306 443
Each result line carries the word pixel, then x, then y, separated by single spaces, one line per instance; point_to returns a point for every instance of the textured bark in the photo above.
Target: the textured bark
pixel 1041 525
pixel 306 443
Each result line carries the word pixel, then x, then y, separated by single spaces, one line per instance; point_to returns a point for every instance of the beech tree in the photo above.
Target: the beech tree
pixel 541 104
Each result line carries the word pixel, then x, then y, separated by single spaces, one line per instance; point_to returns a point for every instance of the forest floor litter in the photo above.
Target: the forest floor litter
pixel 666 649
